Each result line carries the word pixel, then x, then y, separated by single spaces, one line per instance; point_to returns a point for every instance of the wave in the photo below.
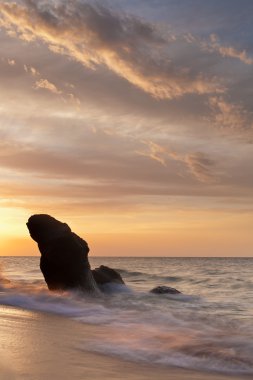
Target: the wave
pixel 147 276
pixel 203 359
pixel 143 327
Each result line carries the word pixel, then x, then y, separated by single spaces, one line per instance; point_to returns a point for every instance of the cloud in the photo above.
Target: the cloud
pixel 112 160
pixel 201 167
pixel 31 70
pixel 45 84
pixel 93 35
pixel 155 152
pixel 11 62
pixel 228 51
pixel 197 163
pixel 229 115
pixel 213 45
pixel 58 163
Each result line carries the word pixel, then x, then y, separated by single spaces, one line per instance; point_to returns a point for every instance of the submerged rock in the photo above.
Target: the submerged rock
pixel 104 275
pixel 165 290
pixel 64 255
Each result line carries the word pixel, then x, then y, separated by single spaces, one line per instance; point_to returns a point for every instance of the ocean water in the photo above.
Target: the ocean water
pixel 208 327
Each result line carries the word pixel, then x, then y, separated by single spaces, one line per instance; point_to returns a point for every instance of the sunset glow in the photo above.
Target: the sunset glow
pixel 129 121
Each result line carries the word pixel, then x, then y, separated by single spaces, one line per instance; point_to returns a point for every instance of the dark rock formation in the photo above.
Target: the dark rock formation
pixel 64 259
pixel 164 290
pixel 104 275
pixel 64 255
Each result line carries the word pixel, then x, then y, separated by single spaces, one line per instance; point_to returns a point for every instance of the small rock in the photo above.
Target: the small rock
pixel 104 275
pixel 164 290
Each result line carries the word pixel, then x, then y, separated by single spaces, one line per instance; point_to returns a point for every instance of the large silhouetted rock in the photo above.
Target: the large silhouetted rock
pixel 64 259
pixel 64 255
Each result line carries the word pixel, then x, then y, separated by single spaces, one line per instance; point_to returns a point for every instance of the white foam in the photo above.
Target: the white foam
pixel 149 328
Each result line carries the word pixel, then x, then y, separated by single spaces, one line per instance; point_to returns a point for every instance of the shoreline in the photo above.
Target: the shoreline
pixel 37 345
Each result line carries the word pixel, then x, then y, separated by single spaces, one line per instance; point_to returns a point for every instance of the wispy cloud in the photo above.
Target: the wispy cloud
pixel 45 84
pixel 94 35
pixel 198 164
pixel 201 166
pixel 31 70
pixel 155 152
pixel 11 62
pixel 214 45
pixel 229 115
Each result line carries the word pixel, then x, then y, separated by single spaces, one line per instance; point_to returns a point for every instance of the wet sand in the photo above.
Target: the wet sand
pixel 39 346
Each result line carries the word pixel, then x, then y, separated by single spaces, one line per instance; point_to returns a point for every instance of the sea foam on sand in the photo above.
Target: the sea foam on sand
pixel 39 346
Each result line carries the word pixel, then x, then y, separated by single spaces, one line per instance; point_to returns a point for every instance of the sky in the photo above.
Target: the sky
pixel 130 120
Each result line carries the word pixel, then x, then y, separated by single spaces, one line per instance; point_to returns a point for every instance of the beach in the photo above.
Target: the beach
pixel 126 244
pixel 128 332
pixel 38 346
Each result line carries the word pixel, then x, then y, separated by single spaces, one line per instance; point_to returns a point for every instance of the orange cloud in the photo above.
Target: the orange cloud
pixel 228 51
pixel 45 84
pixel 31 70
pixel 155 152
pixel 197 163
pixel 11 62
pixel 229 115
pixel 94 35
pixel 201 167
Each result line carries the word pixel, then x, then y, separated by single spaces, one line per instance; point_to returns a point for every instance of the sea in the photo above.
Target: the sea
pixel 207 327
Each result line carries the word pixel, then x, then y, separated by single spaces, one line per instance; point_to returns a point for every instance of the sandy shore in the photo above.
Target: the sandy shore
pixel 38 346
